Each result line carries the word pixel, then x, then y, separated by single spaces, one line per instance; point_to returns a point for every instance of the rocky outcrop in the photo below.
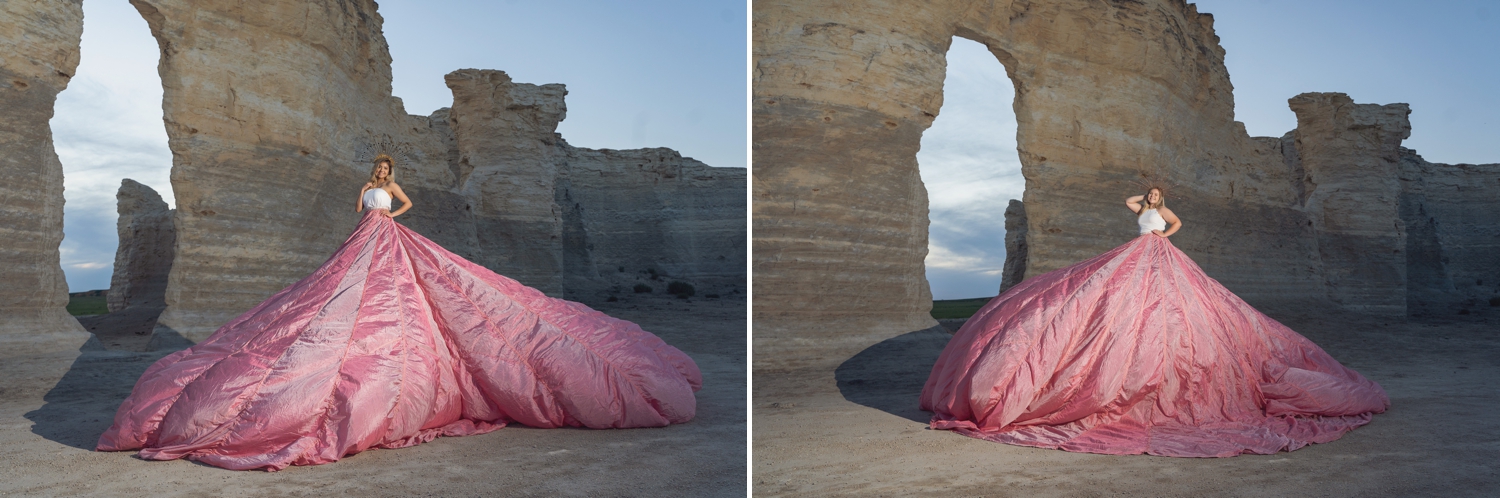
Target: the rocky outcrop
pixel 273 114
pixel 1452 217
pixel 1014 270
pixel 38 54
pixel 632 213
pixel 144 255
pixel 1349 155
pixel 272 128
pixel 1106 93
pixel 508 157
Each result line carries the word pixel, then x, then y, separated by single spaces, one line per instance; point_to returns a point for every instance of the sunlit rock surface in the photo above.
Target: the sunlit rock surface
pixel 38 55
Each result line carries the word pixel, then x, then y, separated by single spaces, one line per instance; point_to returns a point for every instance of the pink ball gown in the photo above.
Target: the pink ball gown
pixel 1138 351
pixel 391 343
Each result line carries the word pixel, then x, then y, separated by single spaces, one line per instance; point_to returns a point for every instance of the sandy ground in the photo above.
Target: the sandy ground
pixel 54 406
pixel 857 430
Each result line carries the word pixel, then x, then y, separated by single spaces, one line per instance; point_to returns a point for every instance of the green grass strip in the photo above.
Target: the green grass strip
pixel 958 308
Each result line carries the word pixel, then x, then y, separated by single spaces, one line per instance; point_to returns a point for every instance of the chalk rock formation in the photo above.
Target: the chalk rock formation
pixel 273 114
pixel 272 126
pixel 507 155
pixel 1452 217
pixel 1104 93
pixel 629 212
pixel 144 255
pixel 38 54
pixel 1014 270
pixel 1350 155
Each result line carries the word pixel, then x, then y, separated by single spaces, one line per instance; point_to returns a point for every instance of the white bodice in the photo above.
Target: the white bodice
pixel 377 198
pixel 1149 220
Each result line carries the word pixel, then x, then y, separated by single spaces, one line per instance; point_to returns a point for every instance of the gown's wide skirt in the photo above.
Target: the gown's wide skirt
pixel 391 343
pixel 1138 351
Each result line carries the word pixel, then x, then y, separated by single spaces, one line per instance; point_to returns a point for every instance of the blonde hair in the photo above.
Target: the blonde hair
pixel 375 170
pixel 1146 199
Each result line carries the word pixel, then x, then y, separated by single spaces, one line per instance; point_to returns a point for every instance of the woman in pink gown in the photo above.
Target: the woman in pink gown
pixel 393 342
pixel 1138 351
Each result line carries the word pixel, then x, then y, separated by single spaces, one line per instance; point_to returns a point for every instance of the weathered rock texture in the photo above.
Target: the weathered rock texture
pixel 144 255
pixel 273 114
pixel 631 213
pixel 1349 154
pixel 507 155
pixel 1452 218
pixel 1106 93
pixel 1014 270
pixel 38 54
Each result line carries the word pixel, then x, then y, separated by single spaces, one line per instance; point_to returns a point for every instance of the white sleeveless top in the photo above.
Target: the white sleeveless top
pixel 377 198
pixel 1149 220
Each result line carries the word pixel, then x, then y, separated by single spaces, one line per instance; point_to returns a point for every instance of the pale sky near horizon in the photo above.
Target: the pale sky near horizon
pixel 639 74
pixel 1440 57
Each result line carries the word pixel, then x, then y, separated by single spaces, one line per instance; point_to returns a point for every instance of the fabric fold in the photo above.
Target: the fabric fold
pixel 393 342
pixel 1137 350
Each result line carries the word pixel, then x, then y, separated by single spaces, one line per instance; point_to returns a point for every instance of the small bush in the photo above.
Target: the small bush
pixel 711 296
pixel 622 269
pixel 642 289
pixel 681 289
pixel 1495 301
pixel 611 299
pixel 1463 312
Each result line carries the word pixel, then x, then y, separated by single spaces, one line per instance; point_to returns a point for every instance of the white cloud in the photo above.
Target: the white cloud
pixel 971 169
pixel 107 126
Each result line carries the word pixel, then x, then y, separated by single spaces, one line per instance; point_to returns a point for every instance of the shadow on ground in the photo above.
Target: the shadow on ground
pixel 889 375
pixel 83 403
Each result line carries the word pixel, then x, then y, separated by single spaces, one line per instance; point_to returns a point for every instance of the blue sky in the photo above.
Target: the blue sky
pixel 639 74
pixel 1440 57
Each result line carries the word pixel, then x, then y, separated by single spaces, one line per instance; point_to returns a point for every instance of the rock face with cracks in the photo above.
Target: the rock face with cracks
pixel 1014 270
pixel 38 55
pixel 144 255
pixel 1106 93
pixel 273 115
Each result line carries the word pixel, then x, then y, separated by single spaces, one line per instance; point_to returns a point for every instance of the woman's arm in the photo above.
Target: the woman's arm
pixel 359 204
pixel 1173 223
pixel 1134 203
pixel 401 196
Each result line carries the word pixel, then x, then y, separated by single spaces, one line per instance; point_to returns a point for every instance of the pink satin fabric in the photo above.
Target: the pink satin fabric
pixel 391 343
pixel 1138 351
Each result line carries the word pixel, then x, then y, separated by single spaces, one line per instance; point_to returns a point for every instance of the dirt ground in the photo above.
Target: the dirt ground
pixel 53 406
pixel 857 430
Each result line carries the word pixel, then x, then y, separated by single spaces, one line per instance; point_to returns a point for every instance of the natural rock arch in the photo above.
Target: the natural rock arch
pixel 1105 92
pixel 273 113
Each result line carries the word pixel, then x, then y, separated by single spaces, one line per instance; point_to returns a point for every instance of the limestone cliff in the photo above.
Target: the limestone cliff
pixel 1452 218
pixel 144 255
pixel 38 54
pixel 1014 270
pixel 629 213
pixel 1106 93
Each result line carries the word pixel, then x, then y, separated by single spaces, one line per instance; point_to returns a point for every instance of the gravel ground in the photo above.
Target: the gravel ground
pixel 53 406
pixel 856 429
